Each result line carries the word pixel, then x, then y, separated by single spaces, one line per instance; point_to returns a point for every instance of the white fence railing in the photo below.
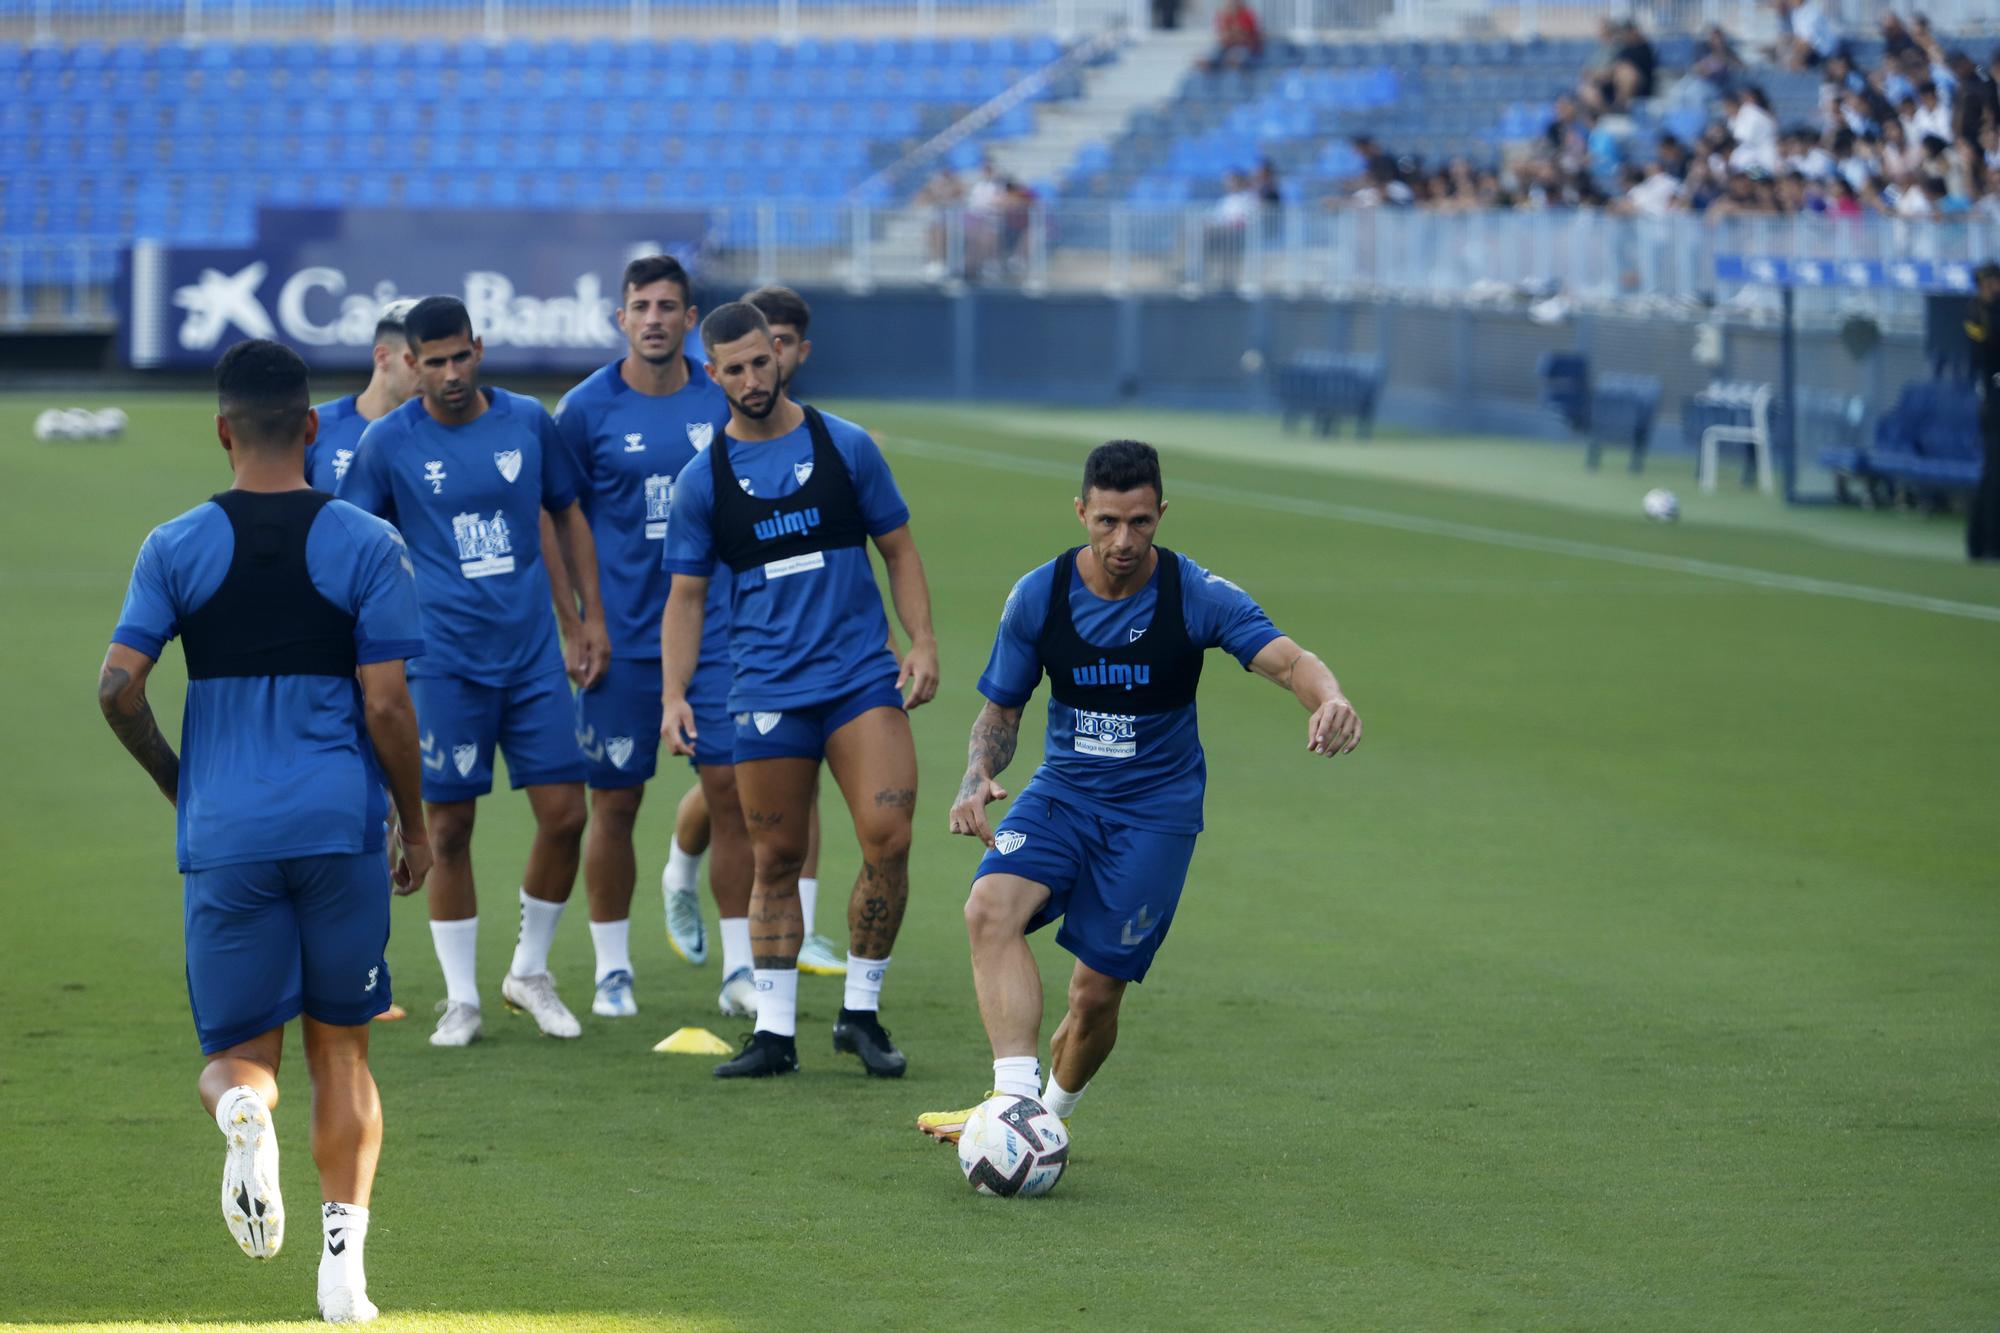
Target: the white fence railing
pixel 1361 254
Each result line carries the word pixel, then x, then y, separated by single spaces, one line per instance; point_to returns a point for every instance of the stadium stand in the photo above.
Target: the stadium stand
pixel 183 143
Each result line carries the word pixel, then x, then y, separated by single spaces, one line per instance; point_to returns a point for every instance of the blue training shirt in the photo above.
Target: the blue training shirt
pixel 628 448
pixel 275 767
pixel 468 500
pixel 814 635
pixel 332 451
pixel 1160 785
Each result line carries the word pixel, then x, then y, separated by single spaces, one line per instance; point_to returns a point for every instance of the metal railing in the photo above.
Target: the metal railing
pixel 1578 258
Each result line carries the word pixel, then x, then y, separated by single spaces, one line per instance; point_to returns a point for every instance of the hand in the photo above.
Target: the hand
pixel 593 649
pixel 920 672
pixel 410 863
pixel 1334 728
pixel 677 725
pixel 968 812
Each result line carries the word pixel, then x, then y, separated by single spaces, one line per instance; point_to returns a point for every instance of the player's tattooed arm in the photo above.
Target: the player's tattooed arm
pixel 121 693
pixel 1334 727
pixel 995 733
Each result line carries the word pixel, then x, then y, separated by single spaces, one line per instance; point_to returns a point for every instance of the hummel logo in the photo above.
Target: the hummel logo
pixel 336 1242
pixel 635 443
pixel 434 474
pixel 1139 926
pixel 593 749
pixel 374 975
pixel 433 757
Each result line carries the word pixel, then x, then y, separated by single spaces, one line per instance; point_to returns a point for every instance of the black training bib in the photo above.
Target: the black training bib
pixel 1156 674
pixel 824 514
pixel 267 618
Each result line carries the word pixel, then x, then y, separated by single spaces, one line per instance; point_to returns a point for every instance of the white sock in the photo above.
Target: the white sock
pixel 864 982
pixel 614 946
pixel 735 944
pixel 808 899
pixel 346 1226
pixel 457 945
pixel 778 1000
pixel 538 932
pixel 683 870
pixel 1060 1100
pixel 225 1106
pixel 1017 1075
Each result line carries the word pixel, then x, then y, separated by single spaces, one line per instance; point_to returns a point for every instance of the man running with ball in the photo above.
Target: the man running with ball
pixel 1103 833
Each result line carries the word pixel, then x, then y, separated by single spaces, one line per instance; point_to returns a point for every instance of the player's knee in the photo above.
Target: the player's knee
pixel 992 916
pixel 615 812
pixel 451 837
pixel 778 862
pixel 886 842
pixel 561 821
pixel 1094 997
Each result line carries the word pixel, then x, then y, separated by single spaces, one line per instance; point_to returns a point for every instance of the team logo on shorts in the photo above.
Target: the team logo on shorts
pixel 508 461
pixel 619 748
pixel 464 757
pixel 1007 841
pixel 701 434
pixel 766 721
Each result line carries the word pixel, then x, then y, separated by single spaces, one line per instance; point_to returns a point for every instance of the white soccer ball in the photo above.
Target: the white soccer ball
pixel 79 423
pixel 110 423
pixel 1661 505
pixel 1013 1147
pixel 50 424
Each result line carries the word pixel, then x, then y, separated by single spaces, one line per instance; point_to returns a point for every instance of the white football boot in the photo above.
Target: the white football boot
pixel 537 996
pixel 686 934
pixel 458 1024
pixel 739 994
pixel 614 997
pixel 251 1204
pixel 817 958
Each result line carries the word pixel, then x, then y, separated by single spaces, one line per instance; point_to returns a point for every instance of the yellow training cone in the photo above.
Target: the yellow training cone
pixel 693 1041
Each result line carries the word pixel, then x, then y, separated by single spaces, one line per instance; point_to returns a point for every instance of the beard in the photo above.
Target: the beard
pixel 757 413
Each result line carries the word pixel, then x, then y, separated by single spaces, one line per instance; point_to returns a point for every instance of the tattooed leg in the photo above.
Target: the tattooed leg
pixel 874 760
pixel 776 795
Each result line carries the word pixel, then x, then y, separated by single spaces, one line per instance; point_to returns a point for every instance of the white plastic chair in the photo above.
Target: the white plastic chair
pixel 1757 435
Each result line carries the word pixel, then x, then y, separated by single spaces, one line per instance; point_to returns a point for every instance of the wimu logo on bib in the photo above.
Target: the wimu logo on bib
pixel 1113 673
pixel 786 523
pixel 1107 735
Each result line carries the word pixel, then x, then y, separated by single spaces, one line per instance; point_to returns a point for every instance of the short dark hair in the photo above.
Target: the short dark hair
pixel 260 386
pixel 727 323
pixel 649 269
pixel 436 317
pixel 782 305
pixel 1123 465
pixel 389 324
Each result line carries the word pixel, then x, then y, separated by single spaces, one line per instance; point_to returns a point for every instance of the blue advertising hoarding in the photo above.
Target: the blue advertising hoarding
pixel 1909 275
pixel 541 287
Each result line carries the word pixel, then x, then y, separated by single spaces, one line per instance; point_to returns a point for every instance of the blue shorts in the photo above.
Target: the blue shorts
pixel 1114 886
pixel 800 733
pixel 270 940
pixel 708 695
pixel 618 725
pixel 461 721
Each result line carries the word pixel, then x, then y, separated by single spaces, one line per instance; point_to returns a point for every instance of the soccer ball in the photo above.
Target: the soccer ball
pixel 1012 1147
pixel 111 423
pixel 1661 505
pixel 51 424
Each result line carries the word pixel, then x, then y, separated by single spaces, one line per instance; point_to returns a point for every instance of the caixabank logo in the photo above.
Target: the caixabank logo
pixel 538 297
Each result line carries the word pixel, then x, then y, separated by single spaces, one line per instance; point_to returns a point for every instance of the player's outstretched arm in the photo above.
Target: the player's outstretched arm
pixel 121 693
pixel 995 732
pixel 1334 727
pixel 392 728
pixel 579 552
pixel 680 650
pixel 911 592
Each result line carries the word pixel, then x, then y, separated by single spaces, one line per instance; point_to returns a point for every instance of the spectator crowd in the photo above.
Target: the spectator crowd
pixel 1913 135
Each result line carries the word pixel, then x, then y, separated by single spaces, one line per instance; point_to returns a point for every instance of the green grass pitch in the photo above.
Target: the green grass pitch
pixel 1637 972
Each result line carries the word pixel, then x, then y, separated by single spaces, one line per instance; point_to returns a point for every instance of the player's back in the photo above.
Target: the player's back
pixel 276 598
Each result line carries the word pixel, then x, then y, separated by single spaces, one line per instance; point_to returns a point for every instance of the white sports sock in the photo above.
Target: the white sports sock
pixel 457 945
pixel 735 944
pixel 864 982
pixel 613 940
pixel 808 899
pixel 778 1000
pixel 1060 1100
pixel 225 1106
pixel 346 1227
pixel 1017 1075
pixel 538 932
pixel 683 870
